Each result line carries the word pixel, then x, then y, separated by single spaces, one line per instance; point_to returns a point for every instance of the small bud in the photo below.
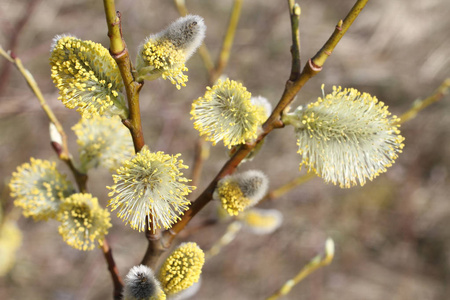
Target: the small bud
pixel 226 113
pixel 164 54
pixel 55 136
pixel 240 191
pixel 182 268
pixel 141 284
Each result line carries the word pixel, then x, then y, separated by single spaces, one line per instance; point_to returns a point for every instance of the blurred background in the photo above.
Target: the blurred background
pixel 392 235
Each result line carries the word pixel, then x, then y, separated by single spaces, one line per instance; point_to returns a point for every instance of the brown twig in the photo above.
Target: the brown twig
pixel 14 38
pixel 119 52
pixel 117 280
pixel 274 121
pixel 294 11
pixel 285 188
pixel 200 155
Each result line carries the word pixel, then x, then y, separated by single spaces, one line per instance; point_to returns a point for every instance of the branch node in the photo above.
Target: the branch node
pixel 314 67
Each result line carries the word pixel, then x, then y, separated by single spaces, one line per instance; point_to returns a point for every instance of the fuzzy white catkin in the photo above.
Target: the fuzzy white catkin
pixel 185 33
pixel 140 283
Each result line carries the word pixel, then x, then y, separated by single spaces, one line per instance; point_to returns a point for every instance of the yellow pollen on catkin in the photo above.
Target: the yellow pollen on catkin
pixel 182 268
pixel 150 188
pixel 87 77
pixel 163 59
pixel 226 113
pixel 232 197
pixel 347 137
pixel 83 222
pixel 102 141
pixel 38 189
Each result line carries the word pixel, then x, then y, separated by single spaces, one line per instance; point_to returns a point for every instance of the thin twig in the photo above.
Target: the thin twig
pixel 61 149
pixel 193 229
pixel 119 52
pixel 14 35
pixel 227 41
pixel 64 155
pixel 294 10
pixel 316 263
pixel 201 154
pixel 280 191
pixel 229 235
pixel 274 121
pixel 419 105
pixel 117 280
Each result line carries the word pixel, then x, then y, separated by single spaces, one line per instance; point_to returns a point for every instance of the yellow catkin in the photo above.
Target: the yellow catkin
pixel 150 187
pixel 231 197
pixel 182 268
pixel 347 137
pixel 83 222
pixel 103 141
pixel 226 113
pixel 38 189
pixel 163 59
pixel 87 77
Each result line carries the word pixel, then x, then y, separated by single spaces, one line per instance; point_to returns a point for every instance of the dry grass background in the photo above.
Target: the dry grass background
pixel 392 235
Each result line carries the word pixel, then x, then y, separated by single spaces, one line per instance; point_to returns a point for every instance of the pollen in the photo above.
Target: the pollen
pixel 150 186
pixel 226 113
pixel 83 222
pixel 231 197
pixel 102 141
pixel 87 77
pixel 162 59
pixel 347 137
pixel 182 268
pixel 38 189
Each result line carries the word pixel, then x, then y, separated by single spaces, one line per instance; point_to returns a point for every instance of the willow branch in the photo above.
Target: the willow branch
pixel 312 67
pixel 229 235
pixel 341 28
pixel 294 10
pixel 117 281
pixel 60 148
pixel 419 105
pixel 316 263
pixel 64 155
pixel 119 52
pixel 64 152
pixel 274 121
pixel 227 41
pixel 280 191
pixel 201 154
